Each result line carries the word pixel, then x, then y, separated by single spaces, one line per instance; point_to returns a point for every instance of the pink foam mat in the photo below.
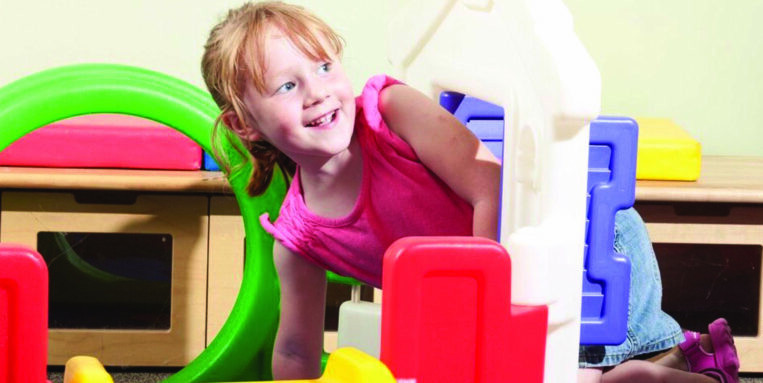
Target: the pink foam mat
pixel 105 141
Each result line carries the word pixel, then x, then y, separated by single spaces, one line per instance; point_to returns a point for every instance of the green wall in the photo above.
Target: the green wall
pixel 698 62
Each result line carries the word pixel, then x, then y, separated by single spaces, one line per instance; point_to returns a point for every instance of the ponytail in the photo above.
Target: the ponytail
pixel 266 157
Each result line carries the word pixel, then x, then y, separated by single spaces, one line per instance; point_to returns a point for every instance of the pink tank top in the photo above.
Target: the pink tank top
pixel 399 197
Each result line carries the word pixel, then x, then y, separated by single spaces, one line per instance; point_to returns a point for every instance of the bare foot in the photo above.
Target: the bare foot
pixel 674 358
pixel 706 343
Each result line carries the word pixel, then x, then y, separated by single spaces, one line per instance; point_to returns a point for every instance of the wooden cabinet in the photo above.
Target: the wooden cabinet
pixel 127 278
pixel 127 253
pixel 708 236
pixel 193 210
pixel 226 260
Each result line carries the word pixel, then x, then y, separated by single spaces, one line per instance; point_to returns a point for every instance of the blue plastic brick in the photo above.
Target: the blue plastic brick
pixel 486 130
pixel 606 273
pixel 611 187
pixel 209 163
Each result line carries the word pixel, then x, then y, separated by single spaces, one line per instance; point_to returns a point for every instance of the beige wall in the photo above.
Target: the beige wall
pixel 698 62
pixel 163 35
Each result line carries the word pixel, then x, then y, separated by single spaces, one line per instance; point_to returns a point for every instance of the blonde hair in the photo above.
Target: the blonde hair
pixel 234 54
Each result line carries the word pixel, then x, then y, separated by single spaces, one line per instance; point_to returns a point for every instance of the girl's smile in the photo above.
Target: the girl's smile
pixel 324 122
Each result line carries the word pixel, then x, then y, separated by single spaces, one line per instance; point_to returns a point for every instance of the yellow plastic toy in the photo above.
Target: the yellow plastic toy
pixel 350 365
pixel 666 151
pixel 85 369
pixel 345 365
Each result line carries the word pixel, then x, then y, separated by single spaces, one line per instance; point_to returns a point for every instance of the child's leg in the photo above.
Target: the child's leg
pixel 649 328
pixel 641 371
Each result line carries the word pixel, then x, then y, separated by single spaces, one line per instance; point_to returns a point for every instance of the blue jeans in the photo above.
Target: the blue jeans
pixel 649 328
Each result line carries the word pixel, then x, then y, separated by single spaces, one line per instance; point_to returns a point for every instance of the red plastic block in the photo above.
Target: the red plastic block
pixel 105 141
pixel 447 314
pixel 23 315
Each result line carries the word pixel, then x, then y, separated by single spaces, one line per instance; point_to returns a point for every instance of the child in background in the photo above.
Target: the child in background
pixel 642 357
pixel 366 171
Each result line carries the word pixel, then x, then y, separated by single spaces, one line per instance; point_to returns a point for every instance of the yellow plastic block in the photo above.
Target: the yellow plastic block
pixel 350 365
pixel 85 369
pixel 666 152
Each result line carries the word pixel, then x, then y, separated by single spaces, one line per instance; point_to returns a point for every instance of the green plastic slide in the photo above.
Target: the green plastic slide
pixel 242 349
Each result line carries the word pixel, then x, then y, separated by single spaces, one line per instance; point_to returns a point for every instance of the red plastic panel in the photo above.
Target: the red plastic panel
pixel 105 141
pixel 4 330
pixel 447 314
pixel 23 315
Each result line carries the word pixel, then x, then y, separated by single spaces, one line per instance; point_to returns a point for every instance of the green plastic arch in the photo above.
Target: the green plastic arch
pixel 242 349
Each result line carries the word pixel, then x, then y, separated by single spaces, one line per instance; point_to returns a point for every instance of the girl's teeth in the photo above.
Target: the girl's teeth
pixel 322 120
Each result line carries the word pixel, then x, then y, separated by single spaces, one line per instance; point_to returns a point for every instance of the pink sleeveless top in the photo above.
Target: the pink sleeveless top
pixel 399 197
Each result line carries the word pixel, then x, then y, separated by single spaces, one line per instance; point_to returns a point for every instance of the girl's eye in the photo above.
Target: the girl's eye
pixel 285 87
pixel 324 68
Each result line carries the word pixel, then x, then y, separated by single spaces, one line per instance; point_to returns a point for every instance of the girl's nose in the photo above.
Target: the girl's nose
pixel 315 93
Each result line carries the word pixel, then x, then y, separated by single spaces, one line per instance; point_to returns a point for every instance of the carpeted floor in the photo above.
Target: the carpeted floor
pixel 56 375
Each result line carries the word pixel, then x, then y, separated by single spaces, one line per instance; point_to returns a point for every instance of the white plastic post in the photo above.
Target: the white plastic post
pixel 524 56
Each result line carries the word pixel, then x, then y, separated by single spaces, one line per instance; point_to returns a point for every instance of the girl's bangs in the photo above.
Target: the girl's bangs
pixel 313 39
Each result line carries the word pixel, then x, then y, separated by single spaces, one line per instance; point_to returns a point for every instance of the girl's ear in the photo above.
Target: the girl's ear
pixel 244 131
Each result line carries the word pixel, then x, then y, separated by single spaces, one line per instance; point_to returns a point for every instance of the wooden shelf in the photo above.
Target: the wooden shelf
pixel 192 181
pixel 722 179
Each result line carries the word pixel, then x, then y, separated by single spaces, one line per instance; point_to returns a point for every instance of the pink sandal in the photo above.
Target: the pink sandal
pixel 723 363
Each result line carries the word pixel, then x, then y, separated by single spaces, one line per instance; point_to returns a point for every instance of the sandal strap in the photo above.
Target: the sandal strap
pixel 697 358
pixel 715 374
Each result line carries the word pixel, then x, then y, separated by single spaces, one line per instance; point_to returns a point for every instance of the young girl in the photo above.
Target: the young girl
pixel 366 171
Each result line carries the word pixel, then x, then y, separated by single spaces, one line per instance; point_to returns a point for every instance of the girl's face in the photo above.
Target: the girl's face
pixel 307 109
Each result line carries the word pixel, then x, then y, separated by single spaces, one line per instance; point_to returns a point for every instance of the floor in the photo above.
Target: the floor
pixel 157 376
pixel 122 376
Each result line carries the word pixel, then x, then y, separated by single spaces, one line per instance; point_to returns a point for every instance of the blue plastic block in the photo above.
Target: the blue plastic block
pixel 606 273
pixel 490 132
pixel 209 163
pixel 486 130
pixel 611 187
pixel 451 101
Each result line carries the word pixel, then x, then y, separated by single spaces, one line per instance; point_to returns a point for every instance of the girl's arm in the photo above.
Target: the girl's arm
pixel 299 343
pixel 449 149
